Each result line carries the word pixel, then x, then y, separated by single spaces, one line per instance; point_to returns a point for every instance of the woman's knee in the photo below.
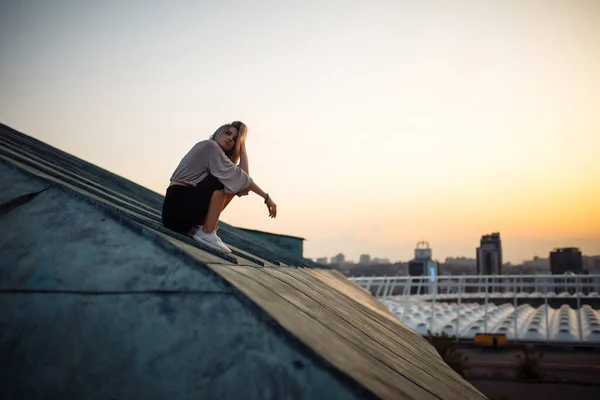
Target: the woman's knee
pixel 219 193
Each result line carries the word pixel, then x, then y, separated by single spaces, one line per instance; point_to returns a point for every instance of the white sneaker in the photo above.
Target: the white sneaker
pixel 212 240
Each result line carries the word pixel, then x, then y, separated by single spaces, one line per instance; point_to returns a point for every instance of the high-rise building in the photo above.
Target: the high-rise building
pixel 422 265
pixel 365 259
pixel 568 259
pixel 489 255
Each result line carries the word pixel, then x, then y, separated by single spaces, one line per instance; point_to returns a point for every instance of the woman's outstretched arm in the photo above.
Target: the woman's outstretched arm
pixel 245 166
pixel 271 206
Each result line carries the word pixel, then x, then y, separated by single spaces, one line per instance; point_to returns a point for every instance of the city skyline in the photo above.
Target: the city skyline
pixel 371 126
pixel 591 261
pixel 441 261
pixel 472 258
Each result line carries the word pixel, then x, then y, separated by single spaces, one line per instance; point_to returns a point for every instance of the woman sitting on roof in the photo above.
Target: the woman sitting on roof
pixel 205 182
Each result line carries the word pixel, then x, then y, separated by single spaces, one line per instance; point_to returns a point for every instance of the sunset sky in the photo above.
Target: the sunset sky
pixel 372 124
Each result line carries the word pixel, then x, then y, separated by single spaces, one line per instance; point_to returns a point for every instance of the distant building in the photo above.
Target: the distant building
pixel 538 265
pixel 379 261
pixel 592 264
pixel 340 259
pixel 364 259
pixel 422 265
pixel 323 260
pixel 489 255
pixel 461 262
pixel 565 260
pixel 537 262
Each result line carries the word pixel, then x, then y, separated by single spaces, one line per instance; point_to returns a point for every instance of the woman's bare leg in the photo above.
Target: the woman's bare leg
pixel 207 224
pixel 216 205
pixel 228 199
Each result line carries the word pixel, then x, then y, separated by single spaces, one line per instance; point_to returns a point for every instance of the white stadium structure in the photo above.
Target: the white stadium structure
pixel 526 308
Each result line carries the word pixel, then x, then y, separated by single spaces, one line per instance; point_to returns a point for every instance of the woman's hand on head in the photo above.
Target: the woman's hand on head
pixel 272 207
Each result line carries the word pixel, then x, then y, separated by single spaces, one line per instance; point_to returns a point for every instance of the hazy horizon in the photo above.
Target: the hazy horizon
pixel 373 126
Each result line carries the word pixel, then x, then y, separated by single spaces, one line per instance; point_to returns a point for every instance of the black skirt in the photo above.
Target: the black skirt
pixel 186 206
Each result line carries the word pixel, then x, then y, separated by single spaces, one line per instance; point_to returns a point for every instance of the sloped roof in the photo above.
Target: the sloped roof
pixel 337 320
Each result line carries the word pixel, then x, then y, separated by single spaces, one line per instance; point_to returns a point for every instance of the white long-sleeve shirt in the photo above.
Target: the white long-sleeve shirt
pixel 207 157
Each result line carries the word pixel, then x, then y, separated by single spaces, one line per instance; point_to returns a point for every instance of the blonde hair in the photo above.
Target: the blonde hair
pixel 234 154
